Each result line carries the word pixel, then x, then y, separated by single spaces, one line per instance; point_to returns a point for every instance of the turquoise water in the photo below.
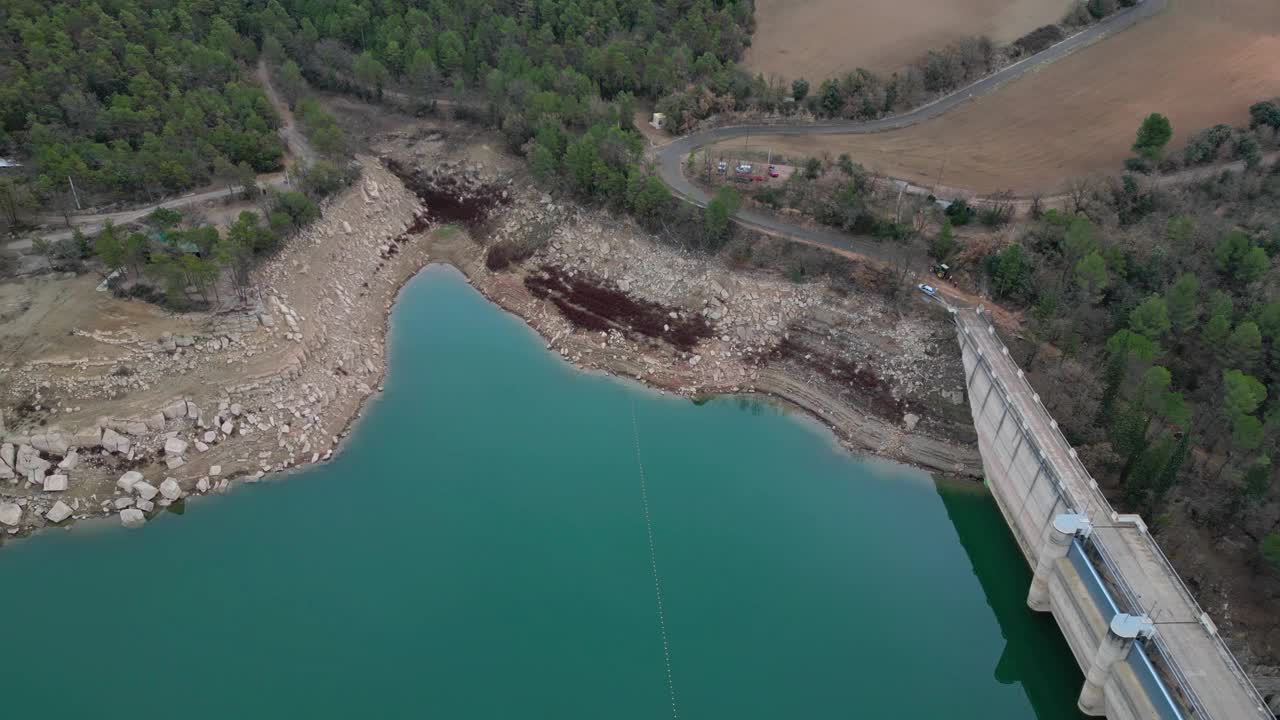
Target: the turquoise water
pixel 479 550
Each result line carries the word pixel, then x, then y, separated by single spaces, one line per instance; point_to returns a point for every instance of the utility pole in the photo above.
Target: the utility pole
pixel 74 194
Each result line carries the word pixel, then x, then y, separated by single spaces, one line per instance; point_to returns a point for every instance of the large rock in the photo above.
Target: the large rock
pixel 145 490
pixel 175 410
pixel 132 518
pixel 139 428
pixel 145 505
pixel 55 483
pixel 113 441
pixel 87 438
pixel 10 514
pixel 70 461
pixel 128 480
pixel 155 422
pixel 59 512
pixel 170 489
pixel 29 464
pixel 175 446
pixel 54 442
pixel 193 411
pixel 6 461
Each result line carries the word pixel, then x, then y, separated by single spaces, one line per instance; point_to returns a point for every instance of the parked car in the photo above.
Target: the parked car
pixel 773 171
pixel 929 290
pixel 744 168
pixel 722 167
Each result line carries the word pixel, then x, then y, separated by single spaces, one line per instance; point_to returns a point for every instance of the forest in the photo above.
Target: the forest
pixel 130 99
pixel 1153 328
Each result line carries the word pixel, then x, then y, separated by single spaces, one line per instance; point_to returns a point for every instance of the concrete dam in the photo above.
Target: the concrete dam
pixel 1146 647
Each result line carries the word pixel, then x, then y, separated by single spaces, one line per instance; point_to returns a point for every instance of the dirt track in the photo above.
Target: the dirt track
pixel 819 39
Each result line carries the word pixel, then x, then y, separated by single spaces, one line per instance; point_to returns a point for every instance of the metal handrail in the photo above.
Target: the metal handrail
pixel 1105 505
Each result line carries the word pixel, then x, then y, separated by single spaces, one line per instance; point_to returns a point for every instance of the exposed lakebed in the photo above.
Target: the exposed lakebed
pixel 479 550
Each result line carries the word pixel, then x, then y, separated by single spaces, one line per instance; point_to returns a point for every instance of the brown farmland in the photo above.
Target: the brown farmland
pixel 818 39
pixel 1201 62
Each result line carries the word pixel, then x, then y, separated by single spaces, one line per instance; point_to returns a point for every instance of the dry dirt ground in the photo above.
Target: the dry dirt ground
pixel 819 39
pixel 1201 62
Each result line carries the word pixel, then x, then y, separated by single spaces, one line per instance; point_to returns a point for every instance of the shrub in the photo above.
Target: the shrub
pixel 959 212
pixel 1039 39
pixel 1138 165
pixel 1101 8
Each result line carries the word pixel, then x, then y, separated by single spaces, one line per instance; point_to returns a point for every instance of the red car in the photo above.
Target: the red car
pixel 773 171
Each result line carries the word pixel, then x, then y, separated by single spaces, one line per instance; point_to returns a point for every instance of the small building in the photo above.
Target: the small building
pixel 659 121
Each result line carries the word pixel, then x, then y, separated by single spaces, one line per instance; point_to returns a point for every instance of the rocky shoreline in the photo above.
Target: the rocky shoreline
pixel 278 383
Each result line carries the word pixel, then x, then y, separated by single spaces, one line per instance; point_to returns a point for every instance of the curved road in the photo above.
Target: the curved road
pixel 669 157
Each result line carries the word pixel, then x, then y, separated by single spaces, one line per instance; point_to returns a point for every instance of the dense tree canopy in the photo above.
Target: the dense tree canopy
pixel 131 97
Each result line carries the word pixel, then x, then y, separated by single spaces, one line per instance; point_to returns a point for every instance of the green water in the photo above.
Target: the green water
pixel 480 551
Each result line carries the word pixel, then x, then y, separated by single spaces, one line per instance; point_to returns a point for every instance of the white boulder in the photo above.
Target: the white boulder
pixel 123 502
pixel 90 437
pixel 55 483
pixel 59 512
pixel 170 489
pixel 145 490
pixel 215 470
pixel 6 461
pixel 51 441
pixel 128 480
pixel 175 446
pixel 28 463
pixel 145 505
pixel 202 485
pixel 113 441
pixel 70 461
pixel 132 518
pixel 175 410
pixel 10 514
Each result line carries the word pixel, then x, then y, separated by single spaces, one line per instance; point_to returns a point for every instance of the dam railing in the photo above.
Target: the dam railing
pixel 1166 671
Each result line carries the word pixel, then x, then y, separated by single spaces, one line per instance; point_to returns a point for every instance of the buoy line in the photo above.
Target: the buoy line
pixel 653 566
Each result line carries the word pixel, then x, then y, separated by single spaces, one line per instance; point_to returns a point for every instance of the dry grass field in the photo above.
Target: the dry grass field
pixel 1201 62
pixel 818 39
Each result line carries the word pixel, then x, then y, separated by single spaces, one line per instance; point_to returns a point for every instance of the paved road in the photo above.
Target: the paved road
pixel 670 156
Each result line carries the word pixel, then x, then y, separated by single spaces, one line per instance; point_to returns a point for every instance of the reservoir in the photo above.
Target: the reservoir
pixel 493 542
